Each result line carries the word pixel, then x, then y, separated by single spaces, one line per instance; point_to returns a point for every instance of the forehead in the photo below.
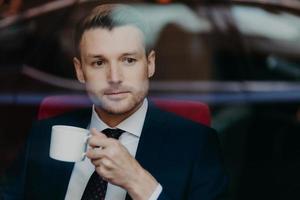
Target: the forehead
pixel 118 40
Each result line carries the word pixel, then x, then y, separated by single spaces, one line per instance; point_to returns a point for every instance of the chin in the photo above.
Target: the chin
pixel 119 108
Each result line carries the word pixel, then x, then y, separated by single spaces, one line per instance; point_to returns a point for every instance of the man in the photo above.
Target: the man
pixel 158 156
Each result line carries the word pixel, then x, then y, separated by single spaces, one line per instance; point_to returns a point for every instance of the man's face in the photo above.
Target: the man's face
pixel 115 68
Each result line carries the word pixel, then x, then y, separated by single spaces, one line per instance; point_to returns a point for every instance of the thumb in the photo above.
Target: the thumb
pixel 95 132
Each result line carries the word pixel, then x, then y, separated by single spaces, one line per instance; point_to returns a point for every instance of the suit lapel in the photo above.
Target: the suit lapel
pixel 151 141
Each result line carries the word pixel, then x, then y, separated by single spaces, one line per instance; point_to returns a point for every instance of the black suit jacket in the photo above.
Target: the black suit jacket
pixel 182 155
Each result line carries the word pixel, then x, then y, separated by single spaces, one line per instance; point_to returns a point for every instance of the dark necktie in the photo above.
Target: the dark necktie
pixel 96 187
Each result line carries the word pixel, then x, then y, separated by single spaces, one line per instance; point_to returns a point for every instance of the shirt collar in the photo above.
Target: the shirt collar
pixel 133 124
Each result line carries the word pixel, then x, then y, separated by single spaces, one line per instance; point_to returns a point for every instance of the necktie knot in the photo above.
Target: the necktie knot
pixel 113 133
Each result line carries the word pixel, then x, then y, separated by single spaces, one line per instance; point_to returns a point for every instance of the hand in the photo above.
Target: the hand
pixel 114 163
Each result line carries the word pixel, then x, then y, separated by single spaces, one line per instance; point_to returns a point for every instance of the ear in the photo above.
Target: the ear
pixel 78 69
pixel 151 63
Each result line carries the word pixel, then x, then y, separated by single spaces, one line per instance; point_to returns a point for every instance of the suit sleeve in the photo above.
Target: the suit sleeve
pixel 12 187
pixel 208 179
pixel 163 196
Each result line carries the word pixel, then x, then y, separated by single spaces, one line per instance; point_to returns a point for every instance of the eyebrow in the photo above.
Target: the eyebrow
pixel 130 53
pixel 133 53
pixel 94 56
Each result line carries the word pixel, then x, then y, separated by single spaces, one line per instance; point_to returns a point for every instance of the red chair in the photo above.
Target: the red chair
pixel 55 105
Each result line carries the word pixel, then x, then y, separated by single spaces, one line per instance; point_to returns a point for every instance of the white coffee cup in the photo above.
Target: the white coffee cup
pixel 68 143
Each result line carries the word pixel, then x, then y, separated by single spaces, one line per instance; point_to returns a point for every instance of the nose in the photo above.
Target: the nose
pixel 114 74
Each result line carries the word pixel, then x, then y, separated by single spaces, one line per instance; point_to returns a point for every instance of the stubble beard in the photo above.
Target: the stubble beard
pixel 124 106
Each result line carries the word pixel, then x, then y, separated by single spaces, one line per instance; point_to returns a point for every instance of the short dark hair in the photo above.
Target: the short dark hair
pixel 109 16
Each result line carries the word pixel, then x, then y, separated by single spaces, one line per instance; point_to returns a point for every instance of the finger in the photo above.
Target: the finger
pixel 97 139
pixel 96 162
pixel 95 132
pixel 95 153
pixel 104 162
pixel 103 172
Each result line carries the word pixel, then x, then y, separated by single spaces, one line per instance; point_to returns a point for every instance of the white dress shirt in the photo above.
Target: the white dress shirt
pixel 130 138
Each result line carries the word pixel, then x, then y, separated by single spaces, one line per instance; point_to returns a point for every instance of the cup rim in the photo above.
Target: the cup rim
pixel 68 127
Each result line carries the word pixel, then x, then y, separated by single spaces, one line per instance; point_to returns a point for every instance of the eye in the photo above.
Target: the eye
pixel 129 61
pixel 98 63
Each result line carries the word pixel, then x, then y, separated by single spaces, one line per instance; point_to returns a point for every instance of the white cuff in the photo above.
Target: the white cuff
pixel 156 192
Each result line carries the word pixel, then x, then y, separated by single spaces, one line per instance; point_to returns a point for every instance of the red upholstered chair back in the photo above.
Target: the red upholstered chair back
pixel 55 105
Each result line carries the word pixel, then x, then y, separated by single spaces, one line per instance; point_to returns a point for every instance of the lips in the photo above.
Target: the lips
pixel 116 94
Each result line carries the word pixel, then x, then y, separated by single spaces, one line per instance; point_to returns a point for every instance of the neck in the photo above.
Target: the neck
pixel 113 119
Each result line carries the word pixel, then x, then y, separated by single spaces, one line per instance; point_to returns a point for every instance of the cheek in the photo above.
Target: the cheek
pixel 95 75
pixel 95 81
pixel 136 74
pixel 140 83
